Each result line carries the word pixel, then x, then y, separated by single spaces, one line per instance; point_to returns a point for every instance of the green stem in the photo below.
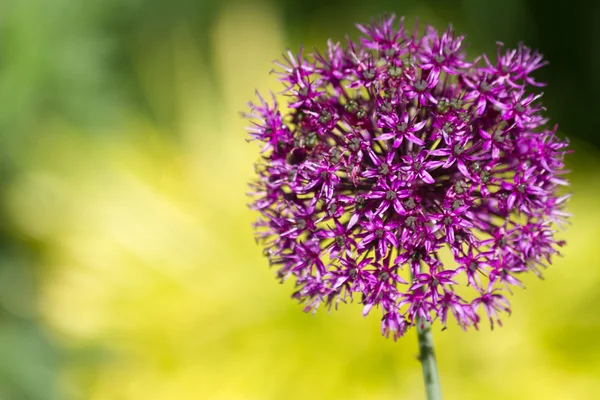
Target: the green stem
pixel 427 358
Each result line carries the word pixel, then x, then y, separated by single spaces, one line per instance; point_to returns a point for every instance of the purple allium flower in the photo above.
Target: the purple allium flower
pixel 394 149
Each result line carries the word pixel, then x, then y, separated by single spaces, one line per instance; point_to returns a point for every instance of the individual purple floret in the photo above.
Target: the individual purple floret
pixel 394 149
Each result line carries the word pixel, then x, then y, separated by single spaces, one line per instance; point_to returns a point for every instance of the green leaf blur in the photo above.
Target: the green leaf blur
pixel 128 268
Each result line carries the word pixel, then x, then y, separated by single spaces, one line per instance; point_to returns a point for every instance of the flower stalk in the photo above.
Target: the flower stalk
pixel 427 357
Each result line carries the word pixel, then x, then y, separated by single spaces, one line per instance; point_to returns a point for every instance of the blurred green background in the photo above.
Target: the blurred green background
pixel 128 268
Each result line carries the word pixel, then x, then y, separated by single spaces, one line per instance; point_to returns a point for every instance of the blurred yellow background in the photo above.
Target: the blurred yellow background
pixel 128 264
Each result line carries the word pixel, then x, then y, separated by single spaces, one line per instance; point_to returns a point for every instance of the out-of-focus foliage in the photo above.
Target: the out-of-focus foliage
pixel 127 264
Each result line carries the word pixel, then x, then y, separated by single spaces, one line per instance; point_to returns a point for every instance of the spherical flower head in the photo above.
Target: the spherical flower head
pixel 394 149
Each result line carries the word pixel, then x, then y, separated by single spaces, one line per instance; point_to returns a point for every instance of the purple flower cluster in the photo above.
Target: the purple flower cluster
pixel 394 149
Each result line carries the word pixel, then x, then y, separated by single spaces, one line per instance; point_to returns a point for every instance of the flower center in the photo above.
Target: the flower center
pixel 499 135
pixel 460 187
pixel 303 92
pixel 394 72
pixel 448 128
pixel 457 204
pixel 351 106
pixel 409 62
pixel 360 202
pixel 401 126
pixel 443 105
pixel 369 74
pixel 311 140
pixel 456 103
pixel 416 255
pixel 420 85
pixel 384 169
pixel 335 156
pixel 333 208
pixel 386 107
pixel 354 144
pixel 325 117
pixel 410 221
pixel 485 176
